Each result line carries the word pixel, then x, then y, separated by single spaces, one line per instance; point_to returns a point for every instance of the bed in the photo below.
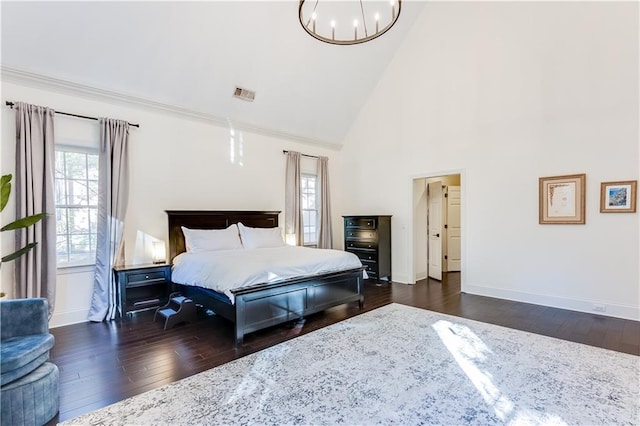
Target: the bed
pixel 264 304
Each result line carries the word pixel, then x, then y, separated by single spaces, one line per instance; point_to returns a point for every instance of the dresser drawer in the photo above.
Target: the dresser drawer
pixel 371 268
pixel 351 234
pixel 365 256
pixel 361 223
pixel 362 245
pixel 144 278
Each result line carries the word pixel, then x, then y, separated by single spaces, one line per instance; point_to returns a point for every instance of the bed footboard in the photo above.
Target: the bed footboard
pixel 260 308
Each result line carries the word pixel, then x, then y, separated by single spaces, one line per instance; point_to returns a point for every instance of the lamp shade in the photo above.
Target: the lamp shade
pixel 159 253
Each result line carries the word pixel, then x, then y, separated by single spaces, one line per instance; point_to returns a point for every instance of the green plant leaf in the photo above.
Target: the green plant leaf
pixel 19 253
pixel 23 223
pixel 5 190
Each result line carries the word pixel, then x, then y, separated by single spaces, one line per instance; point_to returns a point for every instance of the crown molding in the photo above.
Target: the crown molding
pixel 18 76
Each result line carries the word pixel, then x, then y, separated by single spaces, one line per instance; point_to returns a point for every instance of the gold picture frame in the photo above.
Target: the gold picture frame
pixel 562 199
pixel 618 197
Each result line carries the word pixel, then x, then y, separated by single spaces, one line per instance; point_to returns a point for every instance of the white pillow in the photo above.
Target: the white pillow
pixel 197 240
pixel 253 238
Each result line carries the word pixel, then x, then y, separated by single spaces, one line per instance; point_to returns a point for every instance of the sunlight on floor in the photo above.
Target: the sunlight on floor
pixel 469 350
pixel 255 383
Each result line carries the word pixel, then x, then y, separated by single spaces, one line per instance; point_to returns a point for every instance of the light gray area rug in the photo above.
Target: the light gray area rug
pixel 405 366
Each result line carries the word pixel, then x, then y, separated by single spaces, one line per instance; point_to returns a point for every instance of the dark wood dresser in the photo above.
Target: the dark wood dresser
pixel 369 238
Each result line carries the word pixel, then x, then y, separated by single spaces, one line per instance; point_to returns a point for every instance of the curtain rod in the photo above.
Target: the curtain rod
pixel 11 104
pixel 284 151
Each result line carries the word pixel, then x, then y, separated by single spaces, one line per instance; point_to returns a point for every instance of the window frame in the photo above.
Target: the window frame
pixel 307 176
pixel 86 264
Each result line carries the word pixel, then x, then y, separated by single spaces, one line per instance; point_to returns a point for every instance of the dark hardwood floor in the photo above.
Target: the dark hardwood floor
pixel 102 363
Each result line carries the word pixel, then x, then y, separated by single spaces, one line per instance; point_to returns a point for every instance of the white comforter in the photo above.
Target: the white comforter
pixel 225 270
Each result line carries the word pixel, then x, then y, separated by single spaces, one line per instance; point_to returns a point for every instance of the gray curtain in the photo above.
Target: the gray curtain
pixel 113 195
pixel 325 236
pixel 293 207
pixel 35 161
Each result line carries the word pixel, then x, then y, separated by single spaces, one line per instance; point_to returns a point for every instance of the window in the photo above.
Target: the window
pixel 309 210
pixel 76 188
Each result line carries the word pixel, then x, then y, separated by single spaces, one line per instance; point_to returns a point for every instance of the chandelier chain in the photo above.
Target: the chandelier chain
pixel 364 21
pixel 314 11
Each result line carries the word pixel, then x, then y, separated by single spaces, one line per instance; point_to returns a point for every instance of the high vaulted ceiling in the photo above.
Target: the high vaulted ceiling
pixel 191 55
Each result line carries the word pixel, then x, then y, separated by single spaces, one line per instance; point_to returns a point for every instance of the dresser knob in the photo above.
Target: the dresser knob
pixel 146 277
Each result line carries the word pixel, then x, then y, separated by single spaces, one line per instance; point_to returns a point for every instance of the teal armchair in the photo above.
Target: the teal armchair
pixel 29 384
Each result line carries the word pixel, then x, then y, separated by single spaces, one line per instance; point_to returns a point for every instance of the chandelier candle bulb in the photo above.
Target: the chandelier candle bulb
pixel 377 21
pixel 333 29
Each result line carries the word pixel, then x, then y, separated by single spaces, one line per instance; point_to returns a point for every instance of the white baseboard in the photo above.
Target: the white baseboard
pixel 612 310
pixel 402 279
pixel 69 317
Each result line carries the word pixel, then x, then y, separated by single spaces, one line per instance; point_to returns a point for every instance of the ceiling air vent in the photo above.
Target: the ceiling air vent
pixel 244 94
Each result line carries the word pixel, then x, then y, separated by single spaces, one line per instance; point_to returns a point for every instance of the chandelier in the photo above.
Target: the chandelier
pixel 348 22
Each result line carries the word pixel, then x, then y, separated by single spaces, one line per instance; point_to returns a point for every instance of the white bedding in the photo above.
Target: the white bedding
pixel 225 270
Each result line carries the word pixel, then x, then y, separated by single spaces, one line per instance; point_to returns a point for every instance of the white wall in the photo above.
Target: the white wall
pixel 507 92
pixel 176 163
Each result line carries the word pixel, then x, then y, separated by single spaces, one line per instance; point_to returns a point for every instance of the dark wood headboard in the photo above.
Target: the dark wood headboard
pixel 214 219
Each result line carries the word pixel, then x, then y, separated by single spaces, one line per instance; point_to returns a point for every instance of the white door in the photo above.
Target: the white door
pixel 453 229
pixel 434 206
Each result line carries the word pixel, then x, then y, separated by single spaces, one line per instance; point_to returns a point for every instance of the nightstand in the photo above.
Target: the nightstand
pixel 142 287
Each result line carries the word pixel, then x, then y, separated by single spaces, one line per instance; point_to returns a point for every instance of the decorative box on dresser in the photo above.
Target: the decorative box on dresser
pixel 369 238
pixel 142 287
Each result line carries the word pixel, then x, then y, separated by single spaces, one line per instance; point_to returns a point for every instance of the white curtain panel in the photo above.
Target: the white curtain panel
pixel 293 207
pixel 325 236
pixel 113 195
pixel 35 271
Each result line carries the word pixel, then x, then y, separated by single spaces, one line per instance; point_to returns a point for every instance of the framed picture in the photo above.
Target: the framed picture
pixel 562 199
pixel 618 197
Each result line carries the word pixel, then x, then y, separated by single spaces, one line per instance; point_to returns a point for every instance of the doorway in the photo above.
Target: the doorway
pixel 437 229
